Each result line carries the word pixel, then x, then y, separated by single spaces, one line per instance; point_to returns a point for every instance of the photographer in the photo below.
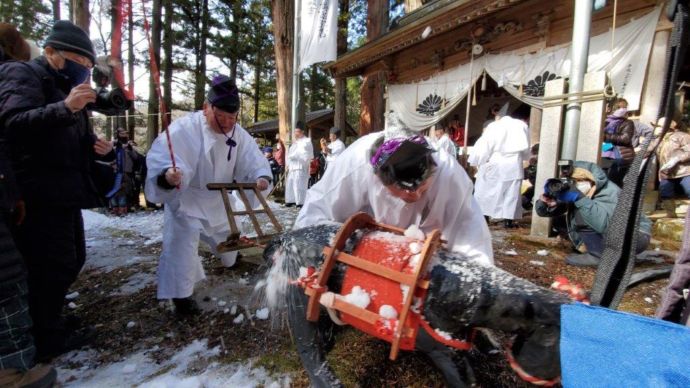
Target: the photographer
pixel 587 199
pixel 42 110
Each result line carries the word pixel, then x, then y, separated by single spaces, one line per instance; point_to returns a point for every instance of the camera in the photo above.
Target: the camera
pixel 110 102
pixel 556 186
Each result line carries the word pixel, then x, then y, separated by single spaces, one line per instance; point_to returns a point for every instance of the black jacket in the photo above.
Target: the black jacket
pixel 52 147
pixel 11 265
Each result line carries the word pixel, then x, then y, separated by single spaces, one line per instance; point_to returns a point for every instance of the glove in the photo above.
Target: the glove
pixel 670 164
pixel 569 196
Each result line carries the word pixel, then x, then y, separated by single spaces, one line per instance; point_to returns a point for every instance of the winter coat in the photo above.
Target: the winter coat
pixel 675 144
pixel 11 265
pixel 52 147
pixel 594 212
pixel 622 137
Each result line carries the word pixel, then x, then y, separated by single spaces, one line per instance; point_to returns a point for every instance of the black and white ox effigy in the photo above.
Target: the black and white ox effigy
pixel 463 294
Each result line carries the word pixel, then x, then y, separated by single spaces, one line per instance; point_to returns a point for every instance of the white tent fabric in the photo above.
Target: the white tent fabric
pixel 424 103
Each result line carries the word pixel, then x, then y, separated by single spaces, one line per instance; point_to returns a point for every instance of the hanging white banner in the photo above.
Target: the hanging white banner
pixel 318 31
pixel 426 102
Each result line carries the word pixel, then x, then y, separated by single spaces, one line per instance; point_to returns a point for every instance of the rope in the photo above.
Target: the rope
pixel 610 65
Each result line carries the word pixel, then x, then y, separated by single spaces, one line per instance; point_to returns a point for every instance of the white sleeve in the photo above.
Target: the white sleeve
pixel 185 149
pixel 481 151
pixel 251 163
pixel 341 192
pixel 463 223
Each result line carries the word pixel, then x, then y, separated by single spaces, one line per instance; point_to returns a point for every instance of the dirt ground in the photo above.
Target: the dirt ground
pixel 359 360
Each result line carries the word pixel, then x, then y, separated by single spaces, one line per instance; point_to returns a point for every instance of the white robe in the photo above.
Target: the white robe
pixel 444 143
pixel 194 212
pixel 336 148
pixel 298 157
pixel 350 186
pixel 499 154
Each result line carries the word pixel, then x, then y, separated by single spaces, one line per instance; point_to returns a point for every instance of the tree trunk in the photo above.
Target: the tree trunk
pixel 257 81
pixel 131 122
pixel 312 90
pixel 81 15
pixel 167 50
pixel 341 83
pixel 56 10
pixel 200 81
pixel 373 84
pixel 283 15
pixel 237 13
pixel 120 121
pixel 152 118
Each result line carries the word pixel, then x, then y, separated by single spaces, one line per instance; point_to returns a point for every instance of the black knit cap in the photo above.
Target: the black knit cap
pixel 66 36
pixel 224 94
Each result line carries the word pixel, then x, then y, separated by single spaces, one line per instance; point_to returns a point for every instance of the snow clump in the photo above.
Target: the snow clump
pixel 358 297
pixel 387 311
pixel 414 232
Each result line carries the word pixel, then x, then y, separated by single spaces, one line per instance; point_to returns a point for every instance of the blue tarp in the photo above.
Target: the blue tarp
pixel 606 348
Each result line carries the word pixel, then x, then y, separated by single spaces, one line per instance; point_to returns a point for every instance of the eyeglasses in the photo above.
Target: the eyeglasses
pixel 76 58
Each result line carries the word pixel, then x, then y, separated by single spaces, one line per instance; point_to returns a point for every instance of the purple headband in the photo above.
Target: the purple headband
pixel 389 147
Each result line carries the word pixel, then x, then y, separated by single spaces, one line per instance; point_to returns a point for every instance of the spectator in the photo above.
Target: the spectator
pixel 17 349
pixel 126 160
pixel 587 209
pixel 279 152
pixel 272 162
pixel 617 149
pixel 44 111
pixel 299 156
pixel 498 155
pixel 674 161
pixel 443 142
pixel 457 131
pixel 209 147
pixel 531 175
pixel 335 148
pixel 317 166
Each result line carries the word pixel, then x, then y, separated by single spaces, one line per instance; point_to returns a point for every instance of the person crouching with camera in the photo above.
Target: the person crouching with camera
pixel 584 200
pixel 43 113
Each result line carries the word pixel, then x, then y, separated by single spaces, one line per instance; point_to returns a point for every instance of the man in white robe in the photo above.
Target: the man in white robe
pixel 443 142
pixel 334 148
pixel 433 192
pixel 498 154
pixel 209 146
pixel 299 154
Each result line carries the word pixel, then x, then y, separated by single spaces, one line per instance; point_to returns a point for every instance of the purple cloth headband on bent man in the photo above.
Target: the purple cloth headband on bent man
pixel 389 147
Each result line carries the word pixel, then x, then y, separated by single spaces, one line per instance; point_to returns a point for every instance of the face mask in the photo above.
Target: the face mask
pixel 583 187
pixel 75 72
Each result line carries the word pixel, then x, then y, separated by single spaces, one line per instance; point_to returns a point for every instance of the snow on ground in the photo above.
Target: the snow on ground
pixel 139 369
pixel 113 243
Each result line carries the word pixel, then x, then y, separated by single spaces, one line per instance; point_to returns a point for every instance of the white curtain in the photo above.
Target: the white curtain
pixel 423 104
pixel 419 108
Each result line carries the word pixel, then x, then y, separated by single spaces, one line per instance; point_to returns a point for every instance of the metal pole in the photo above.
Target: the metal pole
pixel 295 69
pixel 578 67
pixel 467 109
